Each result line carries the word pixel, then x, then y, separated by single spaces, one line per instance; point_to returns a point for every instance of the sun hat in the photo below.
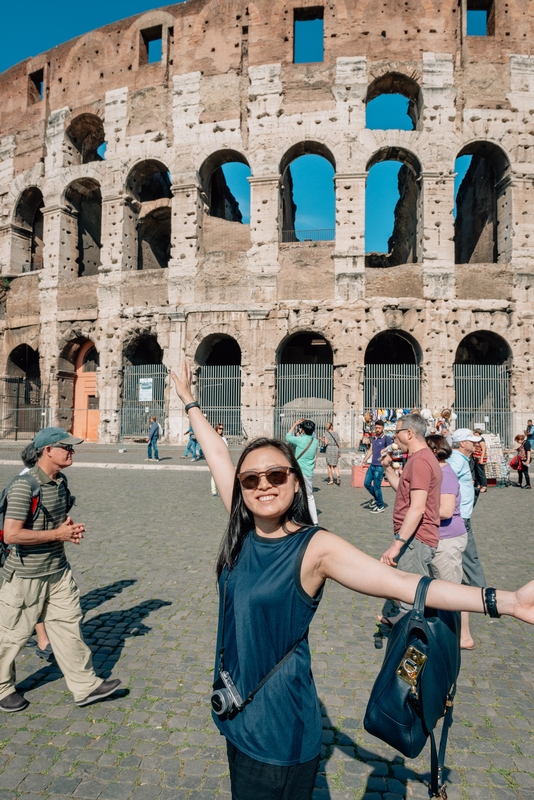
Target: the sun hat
pixel 465 435
pixel 52 436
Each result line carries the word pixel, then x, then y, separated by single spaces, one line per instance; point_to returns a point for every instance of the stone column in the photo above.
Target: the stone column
pixel 436 234
pixel 349 253
pixel 263 264
pixel 177 421
pixel 258 378
pixel 186 231
pixel 56 222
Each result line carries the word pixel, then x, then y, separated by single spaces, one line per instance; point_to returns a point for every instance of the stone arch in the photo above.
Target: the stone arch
pixel 405 244
pixel 305 347
pixel 85 135
pixel 77 387
pixel 149 241
pixel 142 349
pixel 83 199
pixel 397 83
pixel 28 230
pixel 483 224
pixel 148 180
pixel 483 347
pixel 23 362
pixel 218 349
pixel 392 373
pixel 218 195
pixel 22 399
pixel 294 183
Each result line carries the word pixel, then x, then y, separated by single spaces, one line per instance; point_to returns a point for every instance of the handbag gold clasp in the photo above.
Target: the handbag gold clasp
pixel 411 665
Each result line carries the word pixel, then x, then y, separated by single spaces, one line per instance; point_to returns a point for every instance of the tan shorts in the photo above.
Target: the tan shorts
pixel 447 562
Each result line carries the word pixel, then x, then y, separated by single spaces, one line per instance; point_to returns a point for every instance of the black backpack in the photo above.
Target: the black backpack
pixel 36 506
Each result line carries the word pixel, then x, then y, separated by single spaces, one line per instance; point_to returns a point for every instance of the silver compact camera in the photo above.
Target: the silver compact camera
pixel 226 700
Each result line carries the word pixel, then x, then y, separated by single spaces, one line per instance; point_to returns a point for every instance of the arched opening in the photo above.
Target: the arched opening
pixel 392 378
pixel 308 171
pixel 483 205
pixel 86 414
pixel 84 199
pixel 482 368
pixel 27 252
pixel 143 387
pixel 394 102
pixel 226 190
pixel 21 400
pixel 219 382
pixel 149 245
pixel 393 209
pixel 86 139
pixel 304 381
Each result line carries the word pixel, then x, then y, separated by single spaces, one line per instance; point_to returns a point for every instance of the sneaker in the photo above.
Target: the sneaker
pixel 377 509
pixel 184 456
pixel 104 690
pixel 369 504
pixel 148 459
pixel 215 494
pixel 13 702
pixel 527 487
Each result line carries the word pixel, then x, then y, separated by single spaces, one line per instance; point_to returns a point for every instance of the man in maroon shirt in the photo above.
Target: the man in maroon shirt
pixel 416 513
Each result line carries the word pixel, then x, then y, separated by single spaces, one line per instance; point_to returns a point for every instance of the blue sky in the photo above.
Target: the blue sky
pixel 43 27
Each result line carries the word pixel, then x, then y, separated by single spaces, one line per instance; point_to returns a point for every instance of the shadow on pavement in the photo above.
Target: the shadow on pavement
pixel 105 634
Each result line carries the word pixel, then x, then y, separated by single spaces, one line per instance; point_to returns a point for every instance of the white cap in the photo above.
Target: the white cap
pixel 465 435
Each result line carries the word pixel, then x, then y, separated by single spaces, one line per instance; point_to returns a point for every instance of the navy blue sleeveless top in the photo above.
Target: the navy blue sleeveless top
pixel 267 611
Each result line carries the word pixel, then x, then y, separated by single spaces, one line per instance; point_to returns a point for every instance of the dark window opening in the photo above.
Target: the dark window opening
pixel 86 200
pixel 86 134
pixel 36 86
pixel 29 224
pixel 224 353
pixel 394 102
pixel 391 347
pixel 91 360
pixel 480 18
pixel 151 46
pixel 306 348
pixel 154 239
pixel 308 35
pixel 483 347
pixel 229 192
pixel 143 351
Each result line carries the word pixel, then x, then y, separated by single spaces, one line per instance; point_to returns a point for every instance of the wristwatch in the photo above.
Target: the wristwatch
pixel 398 538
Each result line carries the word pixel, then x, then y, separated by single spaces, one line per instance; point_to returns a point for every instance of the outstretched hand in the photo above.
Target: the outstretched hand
pixel 182 384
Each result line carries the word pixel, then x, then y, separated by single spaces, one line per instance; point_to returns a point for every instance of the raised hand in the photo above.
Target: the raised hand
pixel 182 384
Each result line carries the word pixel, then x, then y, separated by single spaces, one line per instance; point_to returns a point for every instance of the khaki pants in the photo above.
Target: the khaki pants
pixel 56 599
pixel 447 563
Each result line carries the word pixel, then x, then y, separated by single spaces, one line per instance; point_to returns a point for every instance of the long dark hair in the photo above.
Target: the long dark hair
pixel 242 520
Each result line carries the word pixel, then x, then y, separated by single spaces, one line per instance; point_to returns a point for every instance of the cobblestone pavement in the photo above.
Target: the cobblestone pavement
pixel 145 570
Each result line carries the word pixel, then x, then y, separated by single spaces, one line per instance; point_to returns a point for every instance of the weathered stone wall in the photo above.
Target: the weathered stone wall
pixel 226 84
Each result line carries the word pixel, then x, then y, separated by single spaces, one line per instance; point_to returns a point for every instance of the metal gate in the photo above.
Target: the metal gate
pixel 21 414
pixel 219 395
pixel 392 386
pixel 143 396
pixel 482 396
pixel 303 390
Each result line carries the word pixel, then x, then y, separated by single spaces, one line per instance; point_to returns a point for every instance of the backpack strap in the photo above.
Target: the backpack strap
pixel 306 448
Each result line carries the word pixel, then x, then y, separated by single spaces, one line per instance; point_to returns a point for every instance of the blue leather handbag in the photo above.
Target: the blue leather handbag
pixel 417 683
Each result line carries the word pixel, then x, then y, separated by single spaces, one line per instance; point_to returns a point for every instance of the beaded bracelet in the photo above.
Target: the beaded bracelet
pixel 195 404
pixel 491 603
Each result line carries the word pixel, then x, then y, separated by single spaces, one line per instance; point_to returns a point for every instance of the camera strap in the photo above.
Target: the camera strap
pixel 251 695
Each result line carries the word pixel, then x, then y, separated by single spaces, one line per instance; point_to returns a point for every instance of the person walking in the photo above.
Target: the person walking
pixel 153 436
pixel 480 459
pixel 306 445
pixel 375 473
pixel 416 517
pixel 529 432
pixel 219 428
pixel 524 452
pixel 463 442
pixel 331 440
pixel 272 567
pixel 38 582
pixel 447 561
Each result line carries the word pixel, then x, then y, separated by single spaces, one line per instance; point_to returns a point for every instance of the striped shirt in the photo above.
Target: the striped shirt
pixel 36 560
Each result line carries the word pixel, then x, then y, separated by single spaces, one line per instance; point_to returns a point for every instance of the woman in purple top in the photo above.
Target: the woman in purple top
pixel 447 563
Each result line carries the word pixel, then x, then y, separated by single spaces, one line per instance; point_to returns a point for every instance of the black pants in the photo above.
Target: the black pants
pixel 254 780
pixel 480 474
pixel 523 470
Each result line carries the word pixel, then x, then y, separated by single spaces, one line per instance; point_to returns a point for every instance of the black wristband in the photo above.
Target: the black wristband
pixel 483 603
pixel 195 404
pixel 491 603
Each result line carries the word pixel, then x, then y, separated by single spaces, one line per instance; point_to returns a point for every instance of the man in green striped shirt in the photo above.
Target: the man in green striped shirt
pixel 38 582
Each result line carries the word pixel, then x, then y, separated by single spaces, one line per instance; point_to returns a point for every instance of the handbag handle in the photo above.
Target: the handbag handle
pixel 418 613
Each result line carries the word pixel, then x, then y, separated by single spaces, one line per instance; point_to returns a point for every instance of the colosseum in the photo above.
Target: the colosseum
pixel 123 248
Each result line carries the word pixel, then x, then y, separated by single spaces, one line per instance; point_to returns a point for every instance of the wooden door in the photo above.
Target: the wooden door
pixel 86 416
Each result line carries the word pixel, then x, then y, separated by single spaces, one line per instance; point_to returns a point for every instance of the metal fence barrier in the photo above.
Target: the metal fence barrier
pixel 317 235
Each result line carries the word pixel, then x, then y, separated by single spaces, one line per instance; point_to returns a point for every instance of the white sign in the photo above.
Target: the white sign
pixel 479 426
pixel 145 390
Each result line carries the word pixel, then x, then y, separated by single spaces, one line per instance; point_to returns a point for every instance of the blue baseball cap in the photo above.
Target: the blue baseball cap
pixel 53 436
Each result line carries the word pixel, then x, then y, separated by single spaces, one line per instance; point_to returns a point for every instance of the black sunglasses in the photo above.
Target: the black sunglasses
pixel 68 447
pixel 275 476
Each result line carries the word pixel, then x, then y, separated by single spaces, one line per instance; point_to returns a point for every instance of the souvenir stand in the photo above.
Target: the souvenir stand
pixel 497 467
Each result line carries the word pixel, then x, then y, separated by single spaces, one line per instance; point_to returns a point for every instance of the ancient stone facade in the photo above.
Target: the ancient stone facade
pixel 123 250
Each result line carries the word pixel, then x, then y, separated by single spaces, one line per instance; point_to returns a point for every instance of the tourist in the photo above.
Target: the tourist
pixel 272 568
pixel 416 516
pixel 524 452
pixel 219 428
pixel 529 432
pixel 463 442
pixel 480 459
pixel 305 444
pixel 447 561
pixel 38 582
pixel 153 436
pixel 331 440
pixel 375 472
